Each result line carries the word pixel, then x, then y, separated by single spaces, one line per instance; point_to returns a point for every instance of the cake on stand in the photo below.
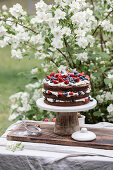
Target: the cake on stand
pixel 66 118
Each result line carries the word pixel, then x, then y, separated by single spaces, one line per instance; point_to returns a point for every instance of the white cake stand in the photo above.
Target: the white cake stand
pixel 66 118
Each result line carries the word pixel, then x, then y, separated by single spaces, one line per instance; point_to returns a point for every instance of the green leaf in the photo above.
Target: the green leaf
pixel 97 113
pixel 69 49
pixel 107 81
pixel 47 40
pixel 97 74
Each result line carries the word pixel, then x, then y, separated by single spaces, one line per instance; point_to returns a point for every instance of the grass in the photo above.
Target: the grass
pixel 10 82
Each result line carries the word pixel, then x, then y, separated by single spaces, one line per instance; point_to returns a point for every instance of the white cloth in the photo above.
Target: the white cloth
pixel 39 156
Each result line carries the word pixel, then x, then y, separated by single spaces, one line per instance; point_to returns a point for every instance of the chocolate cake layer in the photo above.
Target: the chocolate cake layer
pixel 66 88
pixel 65 98
pixel 65 104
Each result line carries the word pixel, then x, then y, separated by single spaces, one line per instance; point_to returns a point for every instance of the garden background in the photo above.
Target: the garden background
pixel 10 80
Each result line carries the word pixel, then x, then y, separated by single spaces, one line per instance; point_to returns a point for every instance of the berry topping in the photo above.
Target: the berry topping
pixel 65 94
pixel 77 79
pixel 60 79
pixel 87 77
pixel 70 93
pixel 52 74
pixel 79 92
pixel 57 74
pixel 60 94
pixel 55 82
pixel 66 81
pixel 46 79
pixel 81 74
pixel 51 81
pixel 71 74
pixel 65 76
pixel 49 77
pixel 86 99
pixel 54 100
pixel 49 92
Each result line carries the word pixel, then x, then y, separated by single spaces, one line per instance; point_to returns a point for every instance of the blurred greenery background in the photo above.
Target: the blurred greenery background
pixel 10 80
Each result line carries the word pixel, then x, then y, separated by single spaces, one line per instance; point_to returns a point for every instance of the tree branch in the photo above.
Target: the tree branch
pixel 65 57
pixel 103 20
pixel 19 24
pixel 93 4
pixel 101 39
pixel 66 44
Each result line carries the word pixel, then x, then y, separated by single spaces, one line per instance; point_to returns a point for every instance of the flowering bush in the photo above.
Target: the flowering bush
pixel 74 33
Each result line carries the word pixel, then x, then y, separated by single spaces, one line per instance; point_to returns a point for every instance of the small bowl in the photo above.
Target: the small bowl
pixel 81 120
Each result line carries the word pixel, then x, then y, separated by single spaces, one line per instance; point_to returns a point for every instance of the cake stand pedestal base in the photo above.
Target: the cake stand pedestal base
pixel 66 123
pixel 66 119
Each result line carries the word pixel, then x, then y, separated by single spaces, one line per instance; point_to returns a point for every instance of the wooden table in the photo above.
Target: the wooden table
pixel 47 156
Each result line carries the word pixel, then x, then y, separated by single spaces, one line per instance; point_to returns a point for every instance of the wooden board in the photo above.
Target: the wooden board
pixel 104 138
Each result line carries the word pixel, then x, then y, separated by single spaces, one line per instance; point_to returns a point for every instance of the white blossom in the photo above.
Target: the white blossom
pixel 41 7
pixel 13 116
pixel 32 86
pixel 17 11
pixel 82 56
pixel 62 68
pixel 110 108
pixel 82 42
pixel 34 71
pixel 16 54
pixel 66 31
pixel 57 43
pixel 2 31
pixel 4 7
pixel 57 32
pixel 59 14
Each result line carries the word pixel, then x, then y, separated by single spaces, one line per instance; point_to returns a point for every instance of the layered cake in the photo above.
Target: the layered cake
pixel 66 89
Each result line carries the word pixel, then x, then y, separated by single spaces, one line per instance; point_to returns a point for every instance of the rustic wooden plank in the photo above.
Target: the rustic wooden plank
pixel 104 138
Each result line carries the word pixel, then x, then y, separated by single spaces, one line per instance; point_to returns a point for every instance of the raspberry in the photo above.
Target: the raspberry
pixel 71 93
pixel 65 76
pixel 60 79
pixel 52 74
pixel 55 82
pixel 86 99
pixel 66 81
pixel 77 79
pixel 49 77
pixel 49 92
pixel 57 74
pixel 87 77
pixel 60 94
